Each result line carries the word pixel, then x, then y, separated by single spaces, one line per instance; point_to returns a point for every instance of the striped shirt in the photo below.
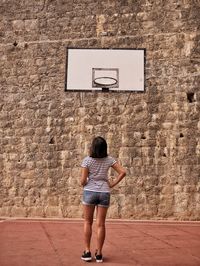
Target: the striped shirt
pixel 98 173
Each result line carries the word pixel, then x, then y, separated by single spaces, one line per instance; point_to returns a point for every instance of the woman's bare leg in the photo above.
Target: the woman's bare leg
pixel 101 229
pixel 88 221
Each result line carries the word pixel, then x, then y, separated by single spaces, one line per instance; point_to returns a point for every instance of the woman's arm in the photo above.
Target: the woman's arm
pixel 84 176
pixel 121 174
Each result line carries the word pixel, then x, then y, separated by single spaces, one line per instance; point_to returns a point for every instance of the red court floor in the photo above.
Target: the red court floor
pixel 60 243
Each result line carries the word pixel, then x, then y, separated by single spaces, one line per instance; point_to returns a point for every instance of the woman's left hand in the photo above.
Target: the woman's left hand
pixel 110 184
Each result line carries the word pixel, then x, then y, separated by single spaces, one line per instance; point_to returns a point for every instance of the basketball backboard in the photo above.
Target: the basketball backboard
pixel 105 69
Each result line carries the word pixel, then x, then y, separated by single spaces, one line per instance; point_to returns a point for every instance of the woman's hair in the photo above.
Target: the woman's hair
pixel 98 148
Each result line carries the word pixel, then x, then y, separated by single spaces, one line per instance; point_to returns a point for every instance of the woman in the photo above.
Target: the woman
pixel 96 193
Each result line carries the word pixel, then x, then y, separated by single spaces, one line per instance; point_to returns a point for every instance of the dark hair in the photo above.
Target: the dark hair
pixel 98 148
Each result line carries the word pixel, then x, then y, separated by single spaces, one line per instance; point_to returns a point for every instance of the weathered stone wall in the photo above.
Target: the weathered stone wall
pixel 44 131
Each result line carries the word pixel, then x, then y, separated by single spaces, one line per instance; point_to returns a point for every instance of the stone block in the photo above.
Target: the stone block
pixel 18 211
pixel 35 211
pixel 53 211
pixel 31 25
pixel 5 211
pixel 18 25
pixel 53 201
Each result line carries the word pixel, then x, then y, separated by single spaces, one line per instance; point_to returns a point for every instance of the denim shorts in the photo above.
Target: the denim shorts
pixel 101 199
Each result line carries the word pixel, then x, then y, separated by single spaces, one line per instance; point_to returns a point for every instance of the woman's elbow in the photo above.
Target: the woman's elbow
pixel 82 183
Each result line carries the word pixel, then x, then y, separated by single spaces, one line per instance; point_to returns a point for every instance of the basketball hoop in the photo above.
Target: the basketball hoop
pixel 105 82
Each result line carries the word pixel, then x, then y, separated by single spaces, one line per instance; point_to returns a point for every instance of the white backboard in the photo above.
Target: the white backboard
pixel 107 69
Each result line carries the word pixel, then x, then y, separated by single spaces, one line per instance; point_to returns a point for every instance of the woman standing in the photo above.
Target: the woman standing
pixel 96 193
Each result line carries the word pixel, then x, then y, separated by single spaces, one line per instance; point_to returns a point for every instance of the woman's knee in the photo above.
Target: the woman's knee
pixel 101 216
pixel 88 221
pixel 88 214
pixel 100 223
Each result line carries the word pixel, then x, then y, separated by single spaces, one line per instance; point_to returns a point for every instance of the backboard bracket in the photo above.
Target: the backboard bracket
pixel 105 89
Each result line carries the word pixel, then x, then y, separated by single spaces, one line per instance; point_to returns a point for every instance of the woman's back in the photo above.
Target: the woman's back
pixel 98 173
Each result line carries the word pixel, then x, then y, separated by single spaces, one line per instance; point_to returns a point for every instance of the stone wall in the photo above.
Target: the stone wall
pixel 45 131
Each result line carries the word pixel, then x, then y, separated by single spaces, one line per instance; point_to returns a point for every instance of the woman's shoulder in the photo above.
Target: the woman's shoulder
pixel 89 159
pixel 111 160
pixel 86 161
pixel 109 157
pixel 86 158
